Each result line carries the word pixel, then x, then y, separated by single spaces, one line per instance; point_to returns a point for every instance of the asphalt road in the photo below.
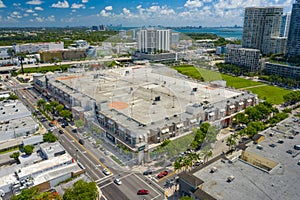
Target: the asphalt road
pixel 131 183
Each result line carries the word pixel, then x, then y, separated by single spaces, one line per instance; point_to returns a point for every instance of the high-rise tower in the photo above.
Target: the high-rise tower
pixel 261 25
pixel 293 41
pixel 154 40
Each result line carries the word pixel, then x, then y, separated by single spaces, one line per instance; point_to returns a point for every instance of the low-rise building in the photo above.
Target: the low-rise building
pixel 282 70
pixel 36 47
pixel 62 55
pixel 15 120
pixel 248 59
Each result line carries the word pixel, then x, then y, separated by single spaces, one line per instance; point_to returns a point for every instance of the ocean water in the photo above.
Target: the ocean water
pixel 226 32
pixel 222 32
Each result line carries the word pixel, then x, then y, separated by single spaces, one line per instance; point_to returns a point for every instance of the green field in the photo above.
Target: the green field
pixel 270 93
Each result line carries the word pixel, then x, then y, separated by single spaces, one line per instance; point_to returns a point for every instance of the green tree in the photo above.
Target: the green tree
pixel 48 108
pixel 66 114
pixel 26 194
pixel 79 123
pixel 15 156
pixel 59 108
pixel 28 149
pixel 12 97
pixel 81 191
pixel 49 137
pixel 230 142
pixel 41 103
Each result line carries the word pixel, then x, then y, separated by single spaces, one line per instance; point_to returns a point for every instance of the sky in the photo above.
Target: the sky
pixel 129 13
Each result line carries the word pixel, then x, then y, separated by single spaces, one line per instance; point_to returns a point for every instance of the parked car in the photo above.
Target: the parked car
pixel 51 124
pixel 142 192
pixel 61 131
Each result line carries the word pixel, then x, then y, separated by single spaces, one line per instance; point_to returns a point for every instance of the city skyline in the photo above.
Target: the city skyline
pixel 210 13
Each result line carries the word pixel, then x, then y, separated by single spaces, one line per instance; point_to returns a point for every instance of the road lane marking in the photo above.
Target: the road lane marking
pixel 149 187
pixel 118 178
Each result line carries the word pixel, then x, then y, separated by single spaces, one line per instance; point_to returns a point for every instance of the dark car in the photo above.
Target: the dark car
pixel 61 131
pixel 81 141
pixel 142 192
pixel 51 124
pixel 149 171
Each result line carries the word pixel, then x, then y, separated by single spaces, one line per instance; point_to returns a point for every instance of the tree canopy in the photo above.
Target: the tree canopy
pixel 49 137
pixel 81 191
pixel 28 149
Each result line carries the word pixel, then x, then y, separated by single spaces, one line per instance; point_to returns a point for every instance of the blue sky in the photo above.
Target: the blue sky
pixel 22 13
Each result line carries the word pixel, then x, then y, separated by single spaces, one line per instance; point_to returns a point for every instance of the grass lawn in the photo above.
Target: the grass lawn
pixel 209 75
pixel 270 93
pixel 38 69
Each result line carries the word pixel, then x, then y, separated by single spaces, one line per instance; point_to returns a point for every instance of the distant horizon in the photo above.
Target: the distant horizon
pixel 62 13
pixel 116 26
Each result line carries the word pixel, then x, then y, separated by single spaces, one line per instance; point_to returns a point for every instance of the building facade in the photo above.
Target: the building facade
pixel 36 47
pixel 243 57
pixel 285 25
pixel 154 40
pixel 293 42
pixel 260 25
pixel 285 71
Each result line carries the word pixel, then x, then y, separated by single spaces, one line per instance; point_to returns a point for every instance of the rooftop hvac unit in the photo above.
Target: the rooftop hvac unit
pixel 230 178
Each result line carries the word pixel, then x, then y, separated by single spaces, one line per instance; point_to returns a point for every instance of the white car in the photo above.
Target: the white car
pixel 106 172
pixel 118 181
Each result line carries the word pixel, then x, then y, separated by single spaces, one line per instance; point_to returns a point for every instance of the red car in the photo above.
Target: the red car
pixel 162 174
pixel 143 192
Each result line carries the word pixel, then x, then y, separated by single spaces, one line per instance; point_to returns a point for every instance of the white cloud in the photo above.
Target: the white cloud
pixel 29 11
pixel 108 8
pixel 103 13
pixel 2 4
pixel 38 8
pixel 51 18
pixel 34 2
pixel 26 15
pixel 126 11
pixel 193 4
pixel 35 14
pixel 85 1
pixel 77 6
pixel 93 7
pixel 16 4
pixel 61 4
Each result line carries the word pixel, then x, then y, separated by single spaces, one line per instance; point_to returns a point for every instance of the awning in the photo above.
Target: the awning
pixel 165 130
pixel 241 103
pixel 179 125
pixel 231 107
pixel 249 100
pixel 222 110
pixel 193 121
pixel 110 122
